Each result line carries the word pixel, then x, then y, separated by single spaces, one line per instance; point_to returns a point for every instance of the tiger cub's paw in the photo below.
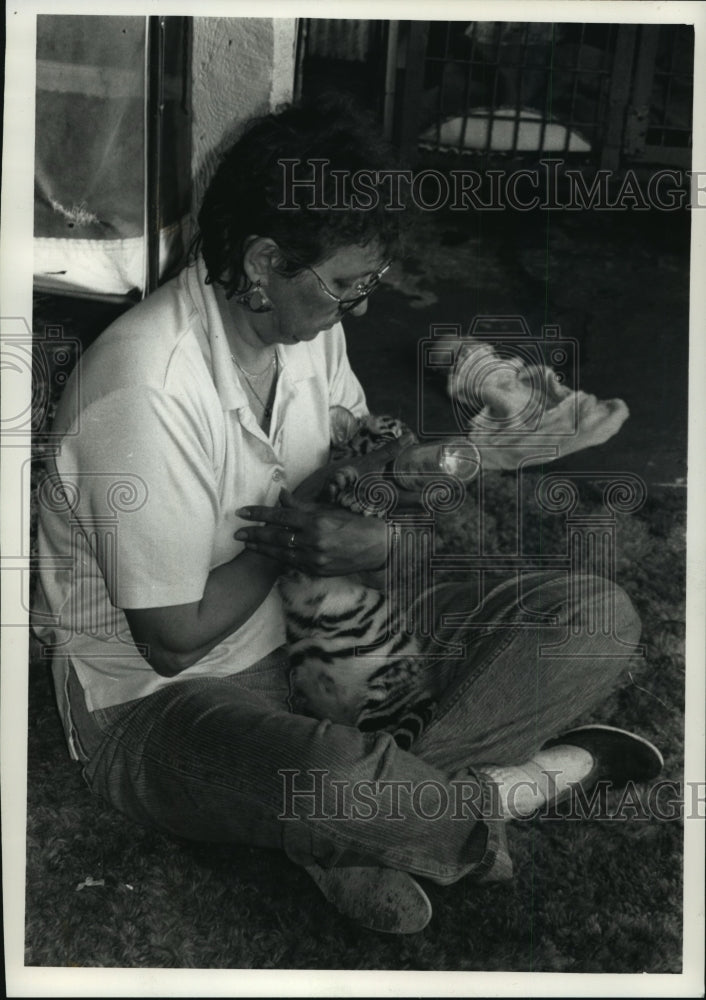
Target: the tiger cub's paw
pixel 341 489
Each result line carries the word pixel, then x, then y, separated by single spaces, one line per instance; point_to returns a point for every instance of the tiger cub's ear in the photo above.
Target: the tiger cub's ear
pixel 344 424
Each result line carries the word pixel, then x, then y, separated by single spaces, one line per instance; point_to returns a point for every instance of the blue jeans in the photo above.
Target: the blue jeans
pixel 223 760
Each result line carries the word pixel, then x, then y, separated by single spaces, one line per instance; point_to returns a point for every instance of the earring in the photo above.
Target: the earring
pixel 255 299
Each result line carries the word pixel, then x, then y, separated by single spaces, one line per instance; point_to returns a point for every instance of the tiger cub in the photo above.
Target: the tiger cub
pixel 328 618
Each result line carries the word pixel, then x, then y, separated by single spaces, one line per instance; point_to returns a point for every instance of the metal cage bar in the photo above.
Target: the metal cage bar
pixel 619 93
pixel 153 148
pixel 606 94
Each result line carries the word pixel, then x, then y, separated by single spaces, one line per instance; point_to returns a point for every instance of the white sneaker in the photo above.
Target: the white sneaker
pixel 575 759
pixel 381 899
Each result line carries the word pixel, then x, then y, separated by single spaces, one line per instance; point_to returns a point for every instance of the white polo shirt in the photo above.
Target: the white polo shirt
pixel 158 449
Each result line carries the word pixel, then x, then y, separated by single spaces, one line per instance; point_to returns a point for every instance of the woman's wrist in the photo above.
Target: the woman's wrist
pixel 262 564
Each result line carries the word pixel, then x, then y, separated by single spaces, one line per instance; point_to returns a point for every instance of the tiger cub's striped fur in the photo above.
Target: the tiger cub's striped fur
pixel 328 618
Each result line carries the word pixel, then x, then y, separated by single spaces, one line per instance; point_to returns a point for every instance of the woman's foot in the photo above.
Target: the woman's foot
pixel 521 790
pixel 580 758
pixel 381 899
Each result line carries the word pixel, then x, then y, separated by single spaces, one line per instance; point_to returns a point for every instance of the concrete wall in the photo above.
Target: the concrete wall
pixel 241 67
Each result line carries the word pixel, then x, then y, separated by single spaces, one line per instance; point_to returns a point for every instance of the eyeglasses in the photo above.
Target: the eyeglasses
pixel 362 289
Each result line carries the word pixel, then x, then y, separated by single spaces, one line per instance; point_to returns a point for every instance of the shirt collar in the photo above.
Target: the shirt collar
pixel 295 360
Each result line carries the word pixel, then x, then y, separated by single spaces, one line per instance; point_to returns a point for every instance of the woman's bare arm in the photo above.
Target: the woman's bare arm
pixel 178 636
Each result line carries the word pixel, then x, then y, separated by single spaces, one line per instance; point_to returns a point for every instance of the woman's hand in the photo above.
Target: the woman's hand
pixel 314 538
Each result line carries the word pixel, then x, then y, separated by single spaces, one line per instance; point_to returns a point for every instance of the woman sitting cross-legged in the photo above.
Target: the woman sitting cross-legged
pixel 178 432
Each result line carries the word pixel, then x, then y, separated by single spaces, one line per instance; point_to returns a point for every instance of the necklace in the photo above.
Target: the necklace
pixel 267 407
pixel 261 374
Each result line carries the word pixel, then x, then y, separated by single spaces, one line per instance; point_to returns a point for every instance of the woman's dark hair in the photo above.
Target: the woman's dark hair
pixel 249 187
